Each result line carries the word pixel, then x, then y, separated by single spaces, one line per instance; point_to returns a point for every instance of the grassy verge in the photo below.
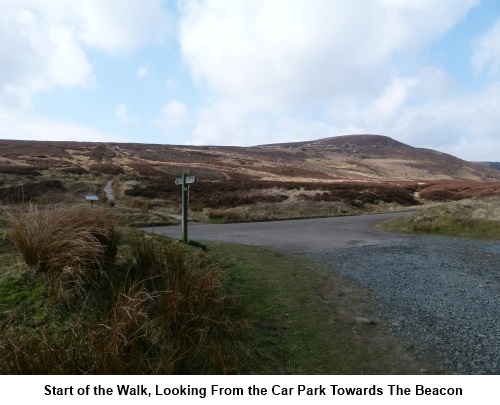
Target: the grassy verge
pixel 477 219
pixel 135 218
pixel 291 210
pixel 302 319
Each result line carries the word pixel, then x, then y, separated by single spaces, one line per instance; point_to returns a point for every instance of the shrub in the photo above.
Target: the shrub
pixel 106 168
pixel 143 204
pixel 31 191
pixel 22 170
pixel 74 170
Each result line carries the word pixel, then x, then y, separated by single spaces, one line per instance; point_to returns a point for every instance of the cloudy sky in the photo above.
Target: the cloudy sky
pixel 248 72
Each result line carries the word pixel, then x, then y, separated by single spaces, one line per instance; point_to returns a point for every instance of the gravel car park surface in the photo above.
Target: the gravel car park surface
pixel 440 296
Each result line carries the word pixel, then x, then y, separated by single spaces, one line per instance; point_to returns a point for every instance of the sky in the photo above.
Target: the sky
pixel 250 72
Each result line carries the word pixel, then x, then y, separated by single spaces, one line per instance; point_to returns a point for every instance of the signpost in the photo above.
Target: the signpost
pixel 189 180
pixel 185 181
pixel 91 198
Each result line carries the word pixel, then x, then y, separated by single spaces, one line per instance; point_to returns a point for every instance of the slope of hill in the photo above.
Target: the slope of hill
pixel 381 157
pixel 493 165
pixel 355 169
pixel 353 157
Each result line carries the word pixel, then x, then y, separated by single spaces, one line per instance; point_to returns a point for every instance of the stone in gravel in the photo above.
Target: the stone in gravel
pixel 366 321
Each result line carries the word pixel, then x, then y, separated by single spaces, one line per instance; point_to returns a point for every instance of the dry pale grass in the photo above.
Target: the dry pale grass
pixel 487 208
pixel 71 245
pixel 471 218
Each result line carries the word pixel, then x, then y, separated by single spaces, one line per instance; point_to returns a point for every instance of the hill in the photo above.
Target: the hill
pixel 357 170
pixel 493 165
pixel 353 157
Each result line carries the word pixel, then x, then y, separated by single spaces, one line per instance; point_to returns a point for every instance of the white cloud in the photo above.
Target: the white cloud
pixel 46 41
pixel 399 95
pixel 423 110
pixel 112 25
pixel 290 53
pixel 142 72
pixel 486 54
pixel 463 125
pixel 293 70
pixel 229 123
pixel 45 44
pixel 108 25
pixel 173 114
pixel 267 71
pixel 39 57
pixel 123 115
pixel 26 125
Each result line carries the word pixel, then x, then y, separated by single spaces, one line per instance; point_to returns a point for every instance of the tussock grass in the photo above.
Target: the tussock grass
pixel 190 301
pixel 142 204
pixel 160 307
pixel 69 245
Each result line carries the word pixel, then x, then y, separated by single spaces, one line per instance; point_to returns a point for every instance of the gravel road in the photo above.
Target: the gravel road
pixel 441 296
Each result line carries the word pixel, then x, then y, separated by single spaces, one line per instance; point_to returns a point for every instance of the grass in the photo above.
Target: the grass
pixel 277 211
pixel 137 218
pixel 302 319
pixel 157 308
pixel 69 245
pixel 163 308
pixel 477 219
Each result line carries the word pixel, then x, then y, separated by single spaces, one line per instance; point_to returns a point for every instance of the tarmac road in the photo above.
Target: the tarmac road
pixel 294 236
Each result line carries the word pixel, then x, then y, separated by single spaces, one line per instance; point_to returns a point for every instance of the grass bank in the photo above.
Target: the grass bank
pixel 477 219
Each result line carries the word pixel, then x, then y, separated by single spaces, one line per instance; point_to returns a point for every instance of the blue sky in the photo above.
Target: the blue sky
pixel 248 72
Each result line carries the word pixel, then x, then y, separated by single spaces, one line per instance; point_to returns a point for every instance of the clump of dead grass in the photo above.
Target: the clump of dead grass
pixel 70 245
pixel 161 309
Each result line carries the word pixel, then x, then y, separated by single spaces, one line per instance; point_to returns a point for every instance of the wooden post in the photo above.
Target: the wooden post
pixel 184 182
pixel 185 206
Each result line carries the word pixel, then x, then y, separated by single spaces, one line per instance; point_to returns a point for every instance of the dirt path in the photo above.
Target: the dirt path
pixel 108 190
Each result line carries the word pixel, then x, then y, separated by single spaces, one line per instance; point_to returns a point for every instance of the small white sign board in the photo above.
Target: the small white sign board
pixel 189 180
pixel 91 198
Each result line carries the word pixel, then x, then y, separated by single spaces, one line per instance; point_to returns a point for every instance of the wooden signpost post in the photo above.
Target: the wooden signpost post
pixel 185 181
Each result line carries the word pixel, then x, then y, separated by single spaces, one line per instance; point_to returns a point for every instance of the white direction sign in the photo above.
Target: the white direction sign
pixel 189 180
pixel 91 198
